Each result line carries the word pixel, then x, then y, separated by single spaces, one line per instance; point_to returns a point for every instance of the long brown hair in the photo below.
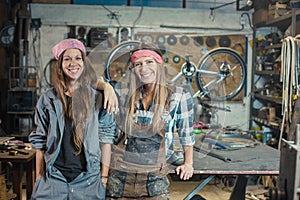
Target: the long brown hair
pixel 160 98
pixel 79 110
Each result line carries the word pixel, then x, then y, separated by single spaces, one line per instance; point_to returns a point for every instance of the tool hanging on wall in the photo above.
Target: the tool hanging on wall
pixel 224 41
pixel 172 40
pixel 184 40
pixel 289 78
pixel 198 41
pixel 210 41
pixel 160 40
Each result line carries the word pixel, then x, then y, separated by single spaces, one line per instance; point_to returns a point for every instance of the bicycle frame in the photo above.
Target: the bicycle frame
pixel 190 70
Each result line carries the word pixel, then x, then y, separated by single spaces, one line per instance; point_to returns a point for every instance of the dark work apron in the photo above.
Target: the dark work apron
pixel 138 165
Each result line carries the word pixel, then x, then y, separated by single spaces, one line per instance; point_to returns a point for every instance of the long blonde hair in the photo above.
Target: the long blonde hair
pixel 79 110
pixel 161 96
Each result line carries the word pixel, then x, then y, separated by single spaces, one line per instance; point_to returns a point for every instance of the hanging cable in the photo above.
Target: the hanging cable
pixel 112 15
pixel 140 14
pixel 213 9
pixel 289 79
pixel 249 19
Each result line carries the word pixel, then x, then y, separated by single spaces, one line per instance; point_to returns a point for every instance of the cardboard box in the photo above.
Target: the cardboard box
pixel 260 17
pixel 267 113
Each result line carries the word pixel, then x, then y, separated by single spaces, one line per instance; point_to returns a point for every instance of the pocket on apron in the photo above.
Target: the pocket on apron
pixel 116 184
pixel 143 151
pixel 157 185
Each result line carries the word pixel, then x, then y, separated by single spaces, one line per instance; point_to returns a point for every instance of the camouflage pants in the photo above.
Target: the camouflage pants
pixel 122 185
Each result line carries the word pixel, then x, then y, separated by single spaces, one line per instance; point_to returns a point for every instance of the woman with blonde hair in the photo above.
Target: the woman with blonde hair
pixel 150 113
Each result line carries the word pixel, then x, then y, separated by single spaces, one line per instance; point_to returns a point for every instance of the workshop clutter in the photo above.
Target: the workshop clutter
pixel 265 10
pixel 12 147
pixel 268 113
pixel 221 139
pixel 278 9
pixel 260 14
pixel 269 58
pixel 266 116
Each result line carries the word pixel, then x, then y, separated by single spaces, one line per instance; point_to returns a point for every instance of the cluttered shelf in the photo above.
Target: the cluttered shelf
pixel 267 72
pixel 261 19
pixel 22 158
pixel 272 46
pixel 270 98
pixel 266 122
pixel 282 21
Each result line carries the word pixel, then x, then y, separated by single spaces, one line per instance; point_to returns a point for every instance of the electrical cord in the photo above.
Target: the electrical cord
pixel 249 19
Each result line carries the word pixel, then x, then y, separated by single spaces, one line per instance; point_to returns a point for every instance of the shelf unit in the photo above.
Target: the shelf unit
pixel 269 99
pixel 22 98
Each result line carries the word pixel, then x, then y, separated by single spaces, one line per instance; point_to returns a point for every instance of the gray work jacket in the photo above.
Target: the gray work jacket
pixel 49 120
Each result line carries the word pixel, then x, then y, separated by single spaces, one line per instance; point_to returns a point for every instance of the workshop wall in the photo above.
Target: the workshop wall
pixel 56 21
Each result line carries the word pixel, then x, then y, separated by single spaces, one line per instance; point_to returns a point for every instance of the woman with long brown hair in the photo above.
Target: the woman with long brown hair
pixel 74 132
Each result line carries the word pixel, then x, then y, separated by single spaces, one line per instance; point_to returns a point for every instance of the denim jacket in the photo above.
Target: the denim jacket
pixel 49 120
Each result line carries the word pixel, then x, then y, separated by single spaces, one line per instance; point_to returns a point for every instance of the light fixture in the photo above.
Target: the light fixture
pixel 249 2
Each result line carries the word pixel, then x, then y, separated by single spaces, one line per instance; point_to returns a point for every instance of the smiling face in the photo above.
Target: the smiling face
pixel 145 69
pixel 72 64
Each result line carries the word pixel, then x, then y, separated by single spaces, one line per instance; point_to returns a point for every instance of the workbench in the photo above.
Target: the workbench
pixel 21 162
pixel 260 159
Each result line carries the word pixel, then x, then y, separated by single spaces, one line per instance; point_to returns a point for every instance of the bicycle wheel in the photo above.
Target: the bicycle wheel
pixel 118 60
pixel 221 74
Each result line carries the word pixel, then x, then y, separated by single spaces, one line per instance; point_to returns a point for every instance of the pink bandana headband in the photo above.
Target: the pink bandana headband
pixel 67 44
pixel 146 53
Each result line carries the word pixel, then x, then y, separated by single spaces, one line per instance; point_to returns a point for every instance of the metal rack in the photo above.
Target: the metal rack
pixel 282 23
pixel 22 97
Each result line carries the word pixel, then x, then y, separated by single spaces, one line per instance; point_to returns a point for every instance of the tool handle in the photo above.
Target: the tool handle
pixel 225 159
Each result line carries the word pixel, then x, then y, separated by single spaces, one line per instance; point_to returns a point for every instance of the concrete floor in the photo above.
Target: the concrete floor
pixel 214 190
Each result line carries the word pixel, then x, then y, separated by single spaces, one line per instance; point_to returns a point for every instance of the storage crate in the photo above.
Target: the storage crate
pixel 260 17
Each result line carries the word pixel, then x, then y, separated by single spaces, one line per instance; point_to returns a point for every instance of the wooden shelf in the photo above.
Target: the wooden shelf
pixel 282 22
pixel 274 46
pixel 267 72
pixel 268 98
pixel 265 122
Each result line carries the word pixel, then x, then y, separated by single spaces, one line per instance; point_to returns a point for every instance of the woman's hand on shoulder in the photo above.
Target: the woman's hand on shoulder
pixel 110 99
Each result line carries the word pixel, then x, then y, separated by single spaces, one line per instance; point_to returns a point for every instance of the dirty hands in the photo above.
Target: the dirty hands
pixel 185 171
